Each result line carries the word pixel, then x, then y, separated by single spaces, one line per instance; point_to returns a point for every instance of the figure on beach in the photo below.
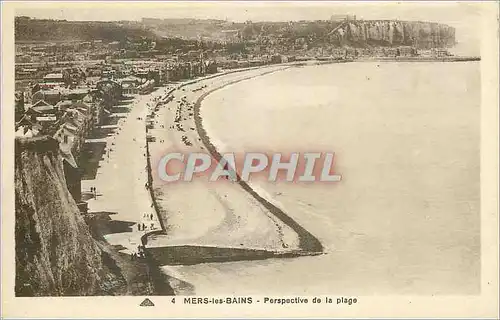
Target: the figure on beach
pixel 226 168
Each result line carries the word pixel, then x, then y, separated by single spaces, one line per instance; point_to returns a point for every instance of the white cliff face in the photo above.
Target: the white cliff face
pixel 415 33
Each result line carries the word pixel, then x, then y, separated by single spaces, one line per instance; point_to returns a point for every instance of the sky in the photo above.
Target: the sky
pixel 465 17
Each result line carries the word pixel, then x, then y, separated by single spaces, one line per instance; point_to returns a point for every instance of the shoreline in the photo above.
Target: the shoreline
pixel 307 242
pixel 405 59
pixel 343 223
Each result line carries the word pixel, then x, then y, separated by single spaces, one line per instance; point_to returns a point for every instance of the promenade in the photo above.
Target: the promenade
pixel 120 181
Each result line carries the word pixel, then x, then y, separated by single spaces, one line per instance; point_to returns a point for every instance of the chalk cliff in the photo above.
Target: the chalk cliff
pixel 423 35
pixel 55 253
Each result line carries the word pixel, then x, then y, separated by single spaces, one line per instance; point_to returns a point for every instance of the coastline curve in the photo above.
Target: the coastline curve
pixel 308 243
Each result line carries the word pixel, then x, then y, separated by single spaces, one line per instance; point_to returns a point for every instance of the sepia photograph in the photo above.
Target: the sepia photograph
pixel 251 154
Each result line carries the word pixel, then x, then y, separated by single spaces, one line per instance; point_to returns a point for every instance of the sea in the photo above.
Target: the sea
pixel 404 219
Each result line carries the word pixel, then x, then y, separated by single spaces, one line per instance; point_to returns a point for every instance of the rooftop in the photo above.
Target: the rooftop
pixel 53 76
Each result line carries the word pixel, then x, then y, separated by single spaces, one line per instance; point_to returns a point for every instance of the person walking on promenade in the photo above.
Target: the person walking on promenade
pixel 151 216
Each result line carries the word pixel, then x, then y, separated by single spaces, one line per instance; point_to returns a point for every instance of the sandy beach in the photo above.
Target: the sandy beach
pixel 218 214
pixel 206 221
pixel 186 222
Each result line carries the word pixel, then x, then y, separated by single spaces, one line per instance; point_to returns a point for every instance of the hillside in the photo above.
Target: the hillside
pixel 357 33
pixel 26 29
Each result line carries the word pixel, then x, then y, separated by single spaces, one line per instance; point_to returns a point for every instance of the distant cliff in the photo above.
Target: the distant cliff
pixel 423 35
pixel 358 33
pixel 55 253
